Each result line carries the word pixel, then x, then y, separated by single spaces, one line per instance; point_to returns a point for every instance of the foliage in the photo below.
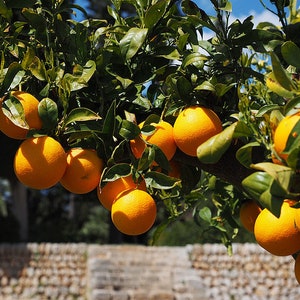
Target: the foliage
pixel 96 79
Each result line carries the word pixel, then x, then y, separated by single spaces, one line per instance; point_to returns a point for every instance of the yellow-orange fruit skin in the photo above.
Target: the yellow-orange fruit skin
pixel 162 137
pixel 133 212
pixel 193 126
pixel 248 214
pixel 83 172
pixel 279 236
pixel 282 132
pixel 112 189
pixel 39 163
pixel 32 118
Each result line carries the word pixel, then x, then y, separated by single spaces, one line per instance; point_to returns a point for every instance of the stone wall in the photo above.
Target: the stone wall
pixel 130 272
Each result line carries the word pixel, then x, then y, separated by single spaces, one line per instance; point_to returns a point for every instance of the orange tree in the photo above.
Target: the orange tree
pixel 96 80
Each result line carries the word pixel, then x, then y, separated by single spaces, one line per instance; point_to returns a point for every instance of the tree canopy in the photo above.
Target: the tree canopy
pixel 97 79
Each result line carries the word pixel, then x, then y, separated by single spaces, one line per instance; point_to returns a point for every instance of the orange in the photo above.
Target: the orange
pixel 174 170
pixel 83 172
pixel 40 162
pixel 31 115
pixel 112 189
pixel 249 211
pixel 193 126
pixel 161 137
pixel 283 131
pixel 133 212
pixel 297 268
pixel 279 236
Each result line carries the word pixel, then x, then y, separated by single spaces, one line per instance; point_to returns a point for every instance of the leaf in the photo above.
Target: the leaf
pixel 132 42
pixel 280 74
pixel 274 86
pixel 160 181
pixel 291 53
pixel 267 109
pixel 48 112
pixel 282 174
pixel 147 159
pixel 109 121
pixel 38 69
pixel 5 11
pixel 81 75
pixel 205 214
pixel 81 114
pixel 12 71
pixel 129 130
pixel 155 13
pixel 196 59
pixel 13 109
pixel 244 154
pixel 256 184
pixel 212 150
pixel 117 171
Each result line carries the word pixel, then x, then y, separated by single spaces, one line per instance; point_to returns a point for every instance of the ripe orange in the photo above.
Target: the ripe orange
pixel 83 172
pixel 279 236
pixel 174 170
pixel 133 212
pixel 193 126
pixel 40 162
pixel 32 118
pixel 297 268
pixel 283 132
pixel 249 211
pixel 112 189
pixel 161 137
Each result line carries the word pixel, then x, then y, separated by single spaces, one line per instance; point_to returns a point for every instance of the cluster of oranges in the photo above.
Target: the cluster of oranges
pixel 41 162
pixel 279 235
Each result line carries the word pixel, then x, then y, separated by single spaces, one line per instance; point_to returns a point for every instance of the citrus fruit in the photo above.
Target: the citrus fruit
pixel 31 115
pixel 283 131
pixel 40 162
pixel 278 235
pixel 161 137
pixel 297 268
pixel 83 172
pixel 112 189
pixel 193 126
pixel 249 211
pixel 133 212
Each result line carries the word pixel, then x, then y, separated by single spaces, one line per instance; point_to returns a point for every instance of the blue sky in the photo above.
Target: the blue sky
pixel 240 9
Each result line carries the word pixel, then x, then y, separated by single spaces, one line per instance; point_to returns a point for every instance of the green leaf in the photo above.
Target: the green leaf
pixel 267 109
pixel 197 59
pixel 205 214
pixel 291 53
pixel 256 184
pixel 244 154
pixel 12 71
pixel 132 42
pixel 276 87
pixel 38 69
pixel 212 150
pixel 81 75
pixel 129 130
pixel 147 159
pixel 160 181
pixel 117 171
pixel 81 114
pixel 282 174
pixel 28 58
pixel 155 13
pixel 48 112
pixel 13 109
pixel 110 120
pixel 280 74
pixel 5 11
pixel 225 5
